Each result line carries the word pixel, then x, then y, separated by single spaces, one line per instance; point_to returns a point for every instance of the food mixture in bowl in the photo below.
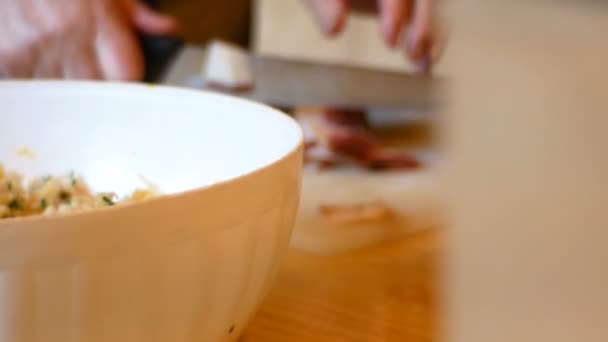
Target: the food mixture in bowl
pixel 54 194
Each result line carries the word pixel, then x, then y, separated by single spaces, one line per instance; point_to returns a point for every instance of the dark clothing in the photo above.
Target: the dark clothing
pixel 200 21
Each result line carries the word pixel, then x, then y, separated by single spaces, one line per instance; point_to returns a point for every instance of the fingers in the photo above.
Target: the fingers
pixel 393 16
pixel 77 40
pixel 151 22
pixel 118 52
pixel 81 64
pixel 330 14
pixel 420 30
pixel 47 66
pixel 423 35
pixel 19 67
pixel 71 59
pixel 119 55
pixel 422 41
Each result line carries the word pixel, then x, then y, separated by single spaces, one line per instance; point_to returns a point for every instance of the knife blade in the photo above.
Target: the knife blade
pixel 289 83
pixel 285 82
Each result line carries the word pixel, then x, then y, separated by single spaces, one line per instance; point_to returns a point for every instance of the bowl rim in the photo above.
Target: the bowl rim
pixel 7 223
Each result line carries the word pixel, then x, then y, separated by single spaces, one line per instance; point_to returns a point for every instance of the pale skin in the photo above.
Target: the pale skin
pixel 410 25
pixel 96 39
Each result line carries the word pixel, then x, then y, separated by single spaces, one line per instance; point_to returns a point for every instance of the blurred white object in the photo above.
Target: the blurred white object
pixel 189 266
pixel 227 66
pixel 526 138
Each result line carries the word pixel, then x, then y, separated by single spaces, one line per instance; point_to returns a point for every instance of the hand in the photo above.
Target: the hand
pixel 414 20
pixel 76 39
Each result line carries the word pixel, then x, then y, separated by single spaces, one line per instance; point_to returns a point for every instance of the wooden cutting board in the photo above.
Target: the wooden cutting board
pixel 382 294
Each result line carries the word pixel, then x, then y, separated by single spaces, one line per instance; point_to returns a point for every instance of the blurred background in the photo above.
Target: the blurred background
pixel 500 231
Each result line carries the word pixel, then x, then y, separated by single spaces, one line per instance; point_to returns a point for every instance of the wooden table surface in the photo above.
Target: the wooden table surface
pixel 385 293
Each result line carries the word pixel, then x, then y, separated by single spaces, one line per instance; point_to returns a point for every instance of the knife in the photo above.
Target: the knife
pixel 288 83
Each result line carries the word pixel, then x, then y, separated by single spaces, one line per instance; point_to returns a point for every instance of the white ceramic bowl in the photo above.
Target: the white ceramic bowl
pixel 189 266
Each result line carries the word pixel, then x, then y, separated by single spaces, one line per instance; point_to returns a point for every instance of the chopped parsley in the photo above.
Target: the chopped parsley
pixel 43 203
pixel 108 201
pixel 9 186
pixel 15 205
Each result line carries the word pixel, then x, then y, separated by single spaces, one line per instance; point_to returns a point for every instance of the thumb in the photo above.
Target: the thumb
pixel 150 21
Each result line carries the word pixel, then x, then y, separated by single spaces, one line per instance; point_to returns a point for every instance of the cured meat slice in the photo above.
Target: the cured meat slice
pixel 337 137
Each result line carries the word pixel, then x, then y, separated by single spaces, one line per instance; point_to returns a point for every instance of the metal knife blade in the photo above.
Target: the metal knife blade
pixel 286 82
pixel 290 83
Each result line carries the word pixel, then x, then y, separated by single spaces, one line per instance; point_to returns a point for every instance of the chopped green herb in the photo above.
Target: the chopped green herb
pixel 15 205
pixel 9 186
pixel 43 203
pixel 108 201
pixel 65 196
pixel 73 178
pixel 45 179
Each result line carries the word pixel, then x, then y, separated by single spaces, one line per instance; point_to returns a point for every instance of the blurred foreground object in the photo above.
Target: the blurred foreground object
pixel 528 169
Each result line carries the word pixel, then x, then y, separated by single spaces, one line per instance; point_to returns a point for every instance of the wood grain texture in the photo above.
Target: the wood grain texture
pixel 385 293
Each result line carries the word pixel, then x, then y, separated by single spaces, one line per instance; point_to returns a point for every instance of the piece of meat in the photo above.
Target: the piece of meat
pixel 351 118
pixel 352 143
pixel 336 137
pixel 384 159
pixel 317 151
pixel 348 133
pixel 340 132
